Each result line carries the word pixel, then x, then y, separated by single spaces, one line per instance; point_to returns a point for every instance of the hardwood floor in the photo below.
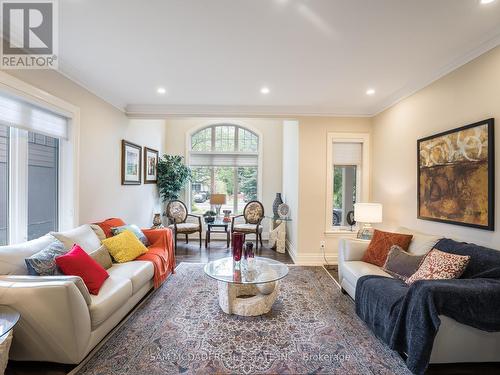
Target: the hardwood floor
pixel 192 252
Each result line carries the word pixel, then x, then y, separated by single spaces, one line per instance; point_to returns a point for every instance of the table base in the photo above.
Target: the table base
pixel 247 299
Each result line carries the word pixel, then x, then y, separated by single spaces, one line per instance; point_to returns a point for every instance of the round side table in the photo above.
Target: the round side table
pixel 8 319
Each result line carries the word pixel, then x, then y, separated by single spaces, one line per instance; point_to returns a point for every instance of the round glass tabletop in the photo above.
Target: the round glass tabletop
pixel 264 270
pixel 8 319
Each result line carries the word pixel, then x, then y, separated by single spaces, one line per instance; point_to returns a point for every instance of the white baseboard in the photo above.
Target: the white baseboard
pixel 316 260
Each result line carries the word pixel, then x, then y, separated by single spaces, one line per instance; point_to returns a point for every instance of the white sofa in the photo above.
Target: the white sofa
pixel 60 321
pixel 455 342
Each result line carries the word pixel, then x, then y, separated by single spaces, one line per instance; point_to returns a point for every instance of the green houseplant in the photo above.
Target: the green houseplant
pixel 172 176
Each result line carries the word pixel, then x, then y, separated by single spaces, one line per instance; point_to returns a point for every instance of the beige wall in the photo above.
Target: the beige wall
pixel 467 95
pixel 270 130
pixel 312 183
pixel 102 127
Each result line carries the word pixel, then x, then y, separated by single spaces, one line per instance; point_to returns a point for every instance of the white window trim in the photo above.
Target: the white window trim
pixel 68 177
pixel 363 194
pixel 216 122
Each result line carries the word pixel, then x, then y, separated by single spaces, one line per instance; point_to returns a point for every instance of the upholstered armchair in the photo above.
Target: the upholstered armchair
pixel 177 214
pixel 253 213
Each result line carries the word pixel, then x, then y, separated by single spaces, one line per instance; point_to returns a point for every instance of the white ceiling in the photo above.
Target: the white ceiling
pixel 316 56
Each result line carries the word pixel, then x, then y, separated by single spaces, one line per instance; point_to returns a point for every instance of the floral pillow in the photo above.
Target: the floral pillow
pixel 439 265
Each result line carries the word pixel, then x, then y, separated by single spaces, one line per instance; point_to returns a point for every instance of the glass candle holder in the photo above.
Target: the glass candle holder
pixel 238 239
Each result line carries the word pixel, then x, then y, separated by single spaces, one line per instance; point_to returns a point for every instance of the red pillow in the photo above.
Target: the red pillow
pixel 77 262
pixel 381 244
pixel 107 224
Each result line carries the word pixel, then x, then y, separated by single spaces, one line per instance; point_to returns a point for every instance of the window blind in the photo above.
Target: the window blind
pixel 347 153
pixel 207 159
pixel 20 114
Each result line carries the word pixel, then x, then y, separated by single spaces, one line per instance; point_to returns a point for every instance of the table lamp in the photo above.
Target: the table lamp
pixel 217 200
pixel 367 213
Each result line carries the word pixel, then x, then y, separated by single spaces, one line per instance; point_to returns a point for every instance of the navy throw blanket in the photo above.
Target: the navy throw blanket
pixel 406 318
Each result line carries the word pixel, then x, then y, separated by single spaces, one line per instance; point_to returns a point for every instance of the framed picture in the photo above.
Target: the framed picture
pixel 131 163
pixel 456 183
pixel 150 166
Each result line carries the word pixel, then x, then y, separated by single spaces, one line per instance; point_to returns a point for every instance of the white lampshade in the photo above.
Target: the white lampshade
pixel 368 212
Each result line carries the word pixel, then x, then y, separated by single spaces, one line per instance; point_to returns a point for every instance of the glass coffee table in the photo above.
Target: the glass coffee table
pixel 247 292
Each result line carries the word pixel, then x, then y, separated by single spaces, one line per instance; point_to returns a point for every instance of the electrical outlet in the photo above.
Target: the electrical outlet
pixel 322 245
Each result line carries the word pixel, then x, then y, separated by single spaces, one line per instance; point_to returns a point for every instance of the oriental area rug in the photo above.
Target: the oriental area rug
pixel 180 329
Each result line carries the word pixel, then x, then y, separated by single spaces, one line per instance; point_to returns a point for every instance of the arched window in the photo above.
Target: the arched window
pixel 224 159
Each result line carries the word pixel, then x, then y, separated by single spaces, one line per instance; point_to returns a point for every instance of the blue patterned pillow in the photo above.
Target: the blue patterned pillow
pixel 134 229
pixel 43 263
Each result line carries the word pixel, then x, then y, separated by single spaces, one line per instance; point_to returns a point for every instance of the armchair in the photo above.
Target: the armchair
pixel 253 213
pixel 177 213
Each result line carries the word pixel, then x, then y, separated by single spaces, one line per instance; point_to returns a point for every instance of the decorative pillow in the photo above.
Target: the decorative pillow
pixel 107 224
pixel 381 243
pixel 83 235
pixel 43 263
pixel 438 265
pixel 102 257
pixel 125 247
pixel 401 264
pixel 134 229
pixel 98 231
pixel 78 263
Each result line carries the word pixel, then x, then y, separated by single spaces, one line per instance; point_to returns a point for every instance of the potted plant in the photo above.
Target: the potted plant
pixel 209 216
pixel 172 176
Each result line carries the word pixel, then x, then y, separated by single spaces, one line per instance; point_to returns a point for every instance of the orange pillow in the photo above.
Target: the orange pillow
pixel 107 224
pixel 381 244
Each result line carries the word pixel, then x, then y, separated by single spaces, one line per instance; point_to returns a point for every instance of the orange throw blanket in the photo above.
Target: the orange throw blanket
pixel 160 253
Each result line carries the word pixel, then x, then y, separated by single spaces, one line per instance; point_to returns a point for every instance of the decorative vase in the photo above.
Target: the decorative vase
pixel 157 222
pixel 227 217
pixel 276 204
pixel 237 248
pixel 249 256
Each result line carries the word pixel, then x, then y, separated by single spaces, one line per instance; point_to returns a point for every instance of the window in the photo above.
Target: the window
pixel 348 172
pixel 29 170
pixel 224 160
pixel 43 152
pixel 4 184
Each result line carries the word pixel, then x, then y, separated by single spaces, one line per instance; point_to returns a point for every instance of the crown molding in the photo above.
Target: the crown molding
pixel 160 111
pixel 421 83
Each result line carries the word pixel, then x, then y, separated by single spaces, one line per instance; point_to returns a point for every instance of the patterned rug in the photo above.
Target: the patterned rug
pixel 180 328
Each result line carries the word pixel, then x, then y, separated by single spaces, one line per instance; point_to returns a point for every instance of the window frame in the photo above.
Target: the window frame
pixel 238 125
pixel 362 178
pixel 68 161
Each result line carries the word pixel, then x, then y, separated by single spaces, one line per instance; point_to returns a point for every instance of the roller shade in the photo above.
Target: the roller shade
pixel 202 159
pixel 20 114
pixel 347 153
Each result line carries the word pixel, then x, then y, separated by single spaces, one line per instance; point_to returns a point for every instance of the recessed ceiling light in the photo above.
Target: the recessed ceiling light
pixel 487 1
pixel 264 90
pixel 370 92
pixel 161 90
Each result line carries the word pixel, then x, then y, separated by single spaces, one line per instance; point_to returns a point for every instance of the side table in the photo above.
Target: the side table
pixel 8 319
pixel 217 224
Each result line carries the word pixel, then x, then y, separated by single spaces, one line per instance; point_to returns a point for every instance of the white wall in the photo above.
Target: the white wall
pixel 291 182
pixel 102 127
pixel 465 96
pixel 271 132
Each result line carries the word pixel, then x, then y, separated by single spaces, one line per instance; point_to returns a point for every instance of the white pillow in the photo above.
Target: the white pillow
pixel 421 243
pixel 83 236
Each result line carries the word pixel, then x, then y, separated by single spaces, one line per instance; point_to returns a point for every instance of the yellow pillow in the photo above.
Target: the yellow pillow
pixel 124 247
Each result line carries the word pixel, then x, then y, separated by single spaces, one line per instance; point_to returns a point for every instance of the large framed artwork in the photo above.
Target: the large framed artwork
pixel 131 163
pixel 150 166
pixel 456 182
